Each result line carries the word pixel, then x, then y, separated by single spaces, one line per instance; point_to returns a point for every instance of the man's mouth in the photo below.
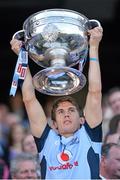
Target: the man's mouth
pixel 67 122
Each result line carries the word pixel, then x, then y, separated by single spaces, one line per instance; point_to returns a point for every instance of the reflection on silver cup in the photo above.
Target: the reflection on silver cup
pixel 56 39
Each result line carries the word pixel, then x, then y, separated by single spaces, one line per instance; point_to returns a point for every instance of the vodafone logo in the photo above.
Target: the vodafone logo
pixel 64 157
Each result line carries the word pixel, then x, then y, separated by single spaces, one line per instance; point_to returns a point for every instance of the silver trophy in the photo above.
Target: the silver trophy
pixel 56 39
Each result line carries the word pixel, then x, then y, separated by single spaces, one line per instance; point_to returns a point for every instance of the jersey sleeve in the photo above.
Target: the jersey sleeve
pixel 40 142
pixel 95 134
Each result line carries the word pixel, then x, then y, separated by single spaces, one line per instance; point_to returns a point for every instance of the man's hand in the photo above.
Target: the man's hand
pixel 95 36
pixel 16 45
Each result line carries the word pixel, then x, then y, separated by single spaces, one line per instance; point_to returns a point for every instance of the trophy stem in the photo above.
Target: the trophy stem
pixel 57 56
pixel 58 62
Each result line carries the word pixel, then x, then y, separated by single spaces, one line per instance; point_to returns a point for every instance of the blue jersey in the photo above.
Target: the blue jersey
pixel 75 157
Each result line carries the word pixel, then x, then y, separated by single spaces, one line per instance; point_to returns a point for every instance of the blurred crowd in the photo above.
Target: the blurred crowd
pixel 17 147
pixel 18 152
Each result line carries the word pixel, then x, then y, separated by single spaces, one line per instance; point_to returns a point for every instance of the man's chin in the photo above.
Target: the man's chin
pixel 68 130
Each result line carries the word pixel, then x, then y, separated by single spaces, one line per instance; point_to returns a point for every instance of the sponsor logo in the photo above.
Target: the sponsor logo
pixel 64 166
pixel 64 157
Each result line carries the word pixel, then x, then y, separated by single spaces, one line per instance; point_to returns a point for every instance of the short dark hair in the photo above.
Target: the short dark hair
pixel 106 148
pixel 63 99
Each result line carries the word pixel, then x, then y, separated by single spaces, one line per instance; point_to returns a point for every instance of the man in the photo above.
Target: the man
pixel 68 151
pixel 110 162
pixel 24 166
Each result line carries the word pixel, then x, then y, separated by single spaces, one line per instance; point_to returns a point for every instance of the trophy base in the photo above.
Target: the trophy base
pixel 59 81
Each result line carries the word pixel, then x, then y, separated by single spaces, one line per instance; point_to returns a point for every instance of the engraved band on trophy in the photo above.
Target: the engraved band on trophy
pixel 56 39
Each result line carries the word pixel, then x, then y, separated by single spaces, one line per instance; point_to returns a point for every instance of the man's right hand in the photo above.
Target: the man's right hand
pixel 16 45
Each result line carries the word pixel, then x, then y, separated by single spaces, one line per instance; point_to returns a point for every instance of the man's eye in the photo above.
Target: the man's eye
pixel 60 111
pixel 71 110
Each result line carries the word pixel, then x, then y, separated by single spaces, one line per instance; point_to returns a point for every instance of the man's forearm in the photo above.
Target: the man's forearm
pixel 28 90
pixel 94 75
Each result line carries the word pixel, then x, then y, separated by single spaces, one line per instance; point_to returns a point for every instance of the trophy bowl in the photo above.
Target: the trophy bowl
pixel 56 39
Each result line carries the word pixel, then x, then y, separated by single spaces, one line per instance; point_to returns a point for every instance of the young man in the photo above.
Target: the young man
pixel 69 150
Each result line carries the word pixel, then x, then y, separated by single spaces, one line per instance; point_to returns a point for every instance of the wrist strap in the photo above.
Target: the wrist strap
pixel 93 59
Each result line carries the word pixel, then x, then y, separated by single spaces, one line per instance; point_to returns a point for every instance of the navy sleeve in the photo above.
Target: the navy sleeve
pixel 95 134
pixel 41 141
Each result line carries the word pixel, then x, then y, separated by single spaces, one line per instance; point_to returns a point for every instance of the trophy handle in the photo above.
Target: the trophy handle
pixel 92 23
pixel 18 35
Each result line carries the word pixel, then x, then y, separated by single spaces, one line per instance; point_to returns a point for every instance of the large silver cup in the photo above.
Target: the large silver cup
pixel 56 39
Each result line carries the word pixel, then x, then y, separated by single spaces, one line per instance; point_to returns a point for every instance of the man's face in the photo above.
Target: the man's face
pixel 27 170
pixel 113 163
pixel 114 101
pixel 67 118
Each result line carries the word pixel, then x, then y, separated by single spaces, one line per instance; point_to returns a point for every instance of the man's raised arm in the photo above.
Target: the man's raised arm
pixel 34 109
pixel 93 110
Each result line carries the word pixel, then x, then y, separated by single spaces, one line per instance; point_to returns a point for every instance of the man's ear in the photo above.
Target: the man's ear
pixel 54 125
pixel 103 160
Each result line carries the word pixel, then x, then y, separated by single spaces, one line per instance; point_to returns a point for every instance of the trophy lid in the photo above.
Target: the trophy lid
pixel 56 12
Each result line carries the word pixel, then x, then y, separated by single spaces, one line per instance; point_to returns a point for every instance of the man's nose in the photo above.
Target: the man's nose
pixel 66 113
pixel 30 175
